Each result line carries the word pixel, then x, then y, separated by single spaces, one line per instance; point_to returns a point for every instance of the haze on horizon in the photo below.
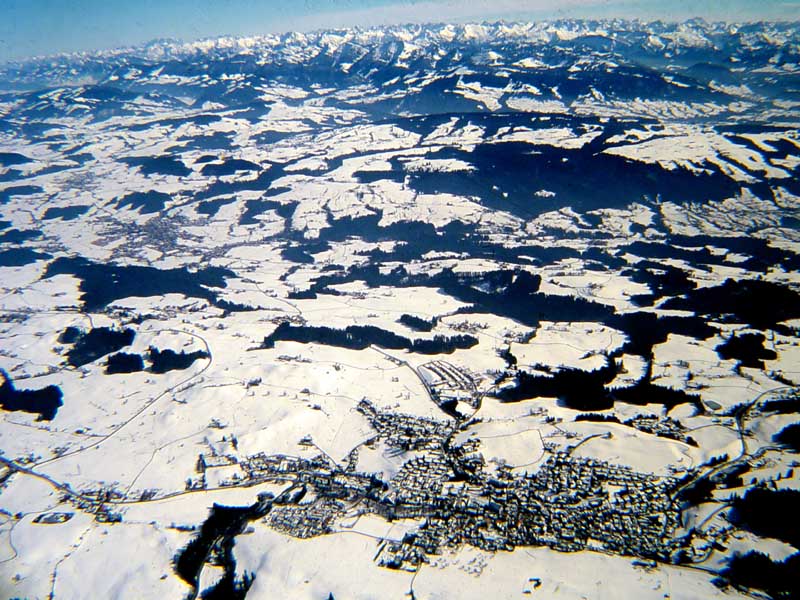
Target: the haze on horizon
pixel 30 28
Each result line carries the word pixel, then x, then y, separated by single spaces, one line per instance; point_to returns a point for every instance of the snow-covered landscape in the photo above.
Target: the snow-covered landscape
pixel 427 311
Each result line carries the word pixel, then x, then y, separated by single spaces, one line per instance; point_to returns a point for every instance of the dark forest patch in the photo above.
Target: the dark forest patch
pixel 144 202
pixel 19 190
pixel 229 167
pixel 8 159
pixel 760 304
pixel 296 254
pixel 761 254
pixel 360 337
pixel 217 537
pixel 19 236
pixel 785 405
pixel 586 390
pixel 254 208
pixel 662 279
pixel 769 513
pixel 122 362
pixel 757 570
pixel 597 418
pixel 211 207
pixel 162 361
pixel 748 349
pixel 19 257
pixel 102 284
pixel 789 437
pixel 65 213
pixel 575 388
pixel 88 346
pixel 417 323
pixel 45 401
pixel 158 165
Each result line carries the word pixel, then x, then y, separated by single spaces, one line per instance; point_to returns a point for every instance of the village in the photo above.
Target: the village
pixel 568 503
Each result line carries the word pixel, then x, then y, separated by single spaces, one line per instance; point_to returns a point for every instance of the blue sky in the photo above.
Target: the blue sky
pixel 38 27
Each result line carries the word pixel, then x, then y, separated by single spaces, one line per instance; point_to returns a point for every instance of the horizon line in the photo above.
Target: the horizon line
pixel 320 30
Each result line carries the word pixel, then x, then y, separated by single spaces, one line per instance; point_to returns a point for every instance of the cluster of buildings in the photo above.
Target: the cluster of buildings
pixel 405 432
pixel 305 521
pixel 661 426
pixel 53 518
pixel 449 385
pixel 568 504
pixel 99 502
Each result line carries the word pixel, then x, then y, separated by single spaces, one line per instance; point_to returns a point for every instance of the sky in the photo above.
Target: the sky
pixel 43 27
